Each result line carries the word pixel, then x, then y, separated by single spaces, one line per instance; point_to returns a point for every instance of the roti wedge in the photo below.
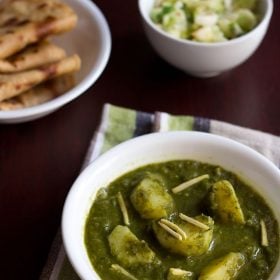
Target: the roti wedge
pixel 23 22
pixel 14 84
pixel 39 94
pixel 33 56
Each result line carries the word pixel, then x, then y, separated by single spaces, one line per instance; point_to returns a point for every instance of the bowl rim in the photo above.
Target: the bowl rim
pixel 80 186
pixel 86 82
pixel 264 21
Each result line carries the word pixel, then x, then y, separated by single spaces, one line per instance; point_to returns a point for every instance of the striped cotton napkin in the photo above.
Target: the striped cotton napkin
pixel 120 124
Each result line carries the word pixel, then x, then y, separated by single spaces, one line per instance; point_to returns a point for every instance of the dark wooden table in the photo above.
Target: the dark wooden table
pixel 39 160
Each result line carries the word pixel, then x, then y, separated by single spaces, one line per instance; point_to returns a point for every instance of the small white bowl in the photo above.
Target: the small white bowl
pixel 91 40
pixel 205 59
pixel 254 168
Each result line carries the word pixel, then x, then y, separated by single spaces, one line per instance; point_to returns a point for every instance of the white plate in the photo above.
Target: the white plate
pixel 91 40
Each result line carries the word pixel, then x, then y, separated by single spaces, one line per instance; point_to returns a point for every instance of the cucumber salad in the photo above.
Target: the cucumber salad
pixel 205 20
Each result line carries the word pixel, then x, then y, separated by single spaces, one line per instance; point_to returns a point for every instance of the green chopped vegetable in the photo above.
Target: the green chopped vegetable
pixel 205 20
pixel 246 19
pixel 244 4
pixel 208 34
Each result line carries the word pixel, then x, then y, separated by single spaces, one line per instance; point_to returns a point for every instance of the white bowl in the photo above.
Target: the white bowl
pixel 205 59
pixel 91 40
pixel 158 147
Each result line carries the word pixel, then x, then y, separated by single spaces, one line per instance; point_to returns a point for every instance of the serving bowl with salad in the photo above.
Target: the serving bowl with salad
pixel 175 206
pixel 205 37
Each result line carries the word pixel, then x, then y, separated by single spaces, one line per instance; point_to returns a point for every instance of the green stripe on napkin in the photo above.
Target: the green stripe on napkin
pixel 180 123
pixel 167 122
pixel 120 124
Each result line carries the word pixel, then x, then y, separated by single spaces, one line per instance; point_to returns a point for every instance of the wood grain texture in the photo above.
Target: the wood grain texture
pixel 40 160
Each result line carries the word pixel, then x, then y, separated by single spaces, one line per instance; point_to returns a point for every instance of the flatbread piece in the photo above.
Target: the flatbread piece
pixel 31 57
pixel 23 22
pixel 14 84
pixel 39 94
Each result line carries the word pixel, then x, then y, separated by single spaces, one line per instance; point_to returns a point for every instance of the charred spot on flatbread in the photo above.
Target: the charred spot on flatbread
pixel 32 69
pixel 23 22
pixel 15 84
pixel 35 55
pixel 40 94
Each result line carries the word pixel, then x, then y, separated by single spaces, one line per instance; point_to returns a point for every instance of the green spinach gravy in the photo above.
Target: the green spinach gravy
pixel 239 240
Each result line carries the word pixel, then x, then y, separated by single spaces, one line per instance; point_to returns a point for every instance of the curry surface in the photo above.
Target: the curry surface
pixel 105 214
